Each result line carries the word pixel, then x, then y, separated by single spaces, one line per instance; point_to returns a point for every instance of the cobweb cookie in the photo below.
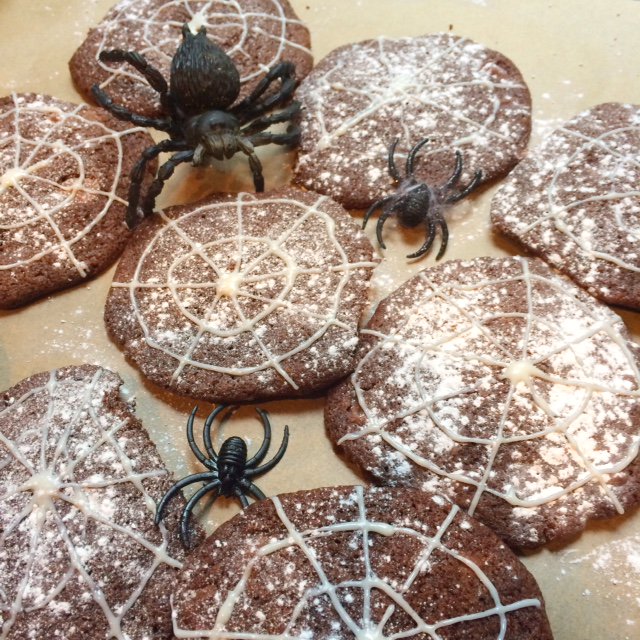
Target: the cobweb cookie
pixel 64 177
pixel 256 34
pixel 503 386
pixel 80 556
pixel 243 297
pixel 575 202
pixel 348 562
pixel 363 96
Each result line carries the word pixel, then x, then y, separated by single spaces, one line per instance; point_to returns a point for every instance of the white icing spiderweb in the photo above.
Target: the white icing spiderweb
pixel 365 604
pixel 445 88
pixel 229 24
pixel 512 385
pixel 46 181
pixel 584 209
pixel 229 296
pixel 75 514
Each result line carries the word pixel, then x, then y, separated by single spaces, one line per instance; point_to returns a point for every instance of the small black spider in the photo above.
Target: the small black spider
pixel 415 202
pixel 201 123
pixel 230 472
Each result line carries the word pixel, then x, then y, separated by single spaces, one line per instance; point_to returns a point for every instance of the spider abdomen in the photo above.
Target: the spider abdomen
pixel 414 206
pixel 203 76
pixel 232 459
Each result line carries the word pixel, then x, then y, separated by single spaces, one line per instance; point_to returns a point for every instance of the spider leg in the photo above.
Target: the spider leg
pixel 140 63
pixel 467 190
pixel 291 138
pixel 264 447
pixel 251 473
pixel 186 514
pixel 381 220
pixel 431 236
pixel 240 495
pixel 249 108
pixel 164 173
pixel 412 155
pixel 264 122
pixel 391 162
pixel 192 443
pixel 137 174
pixel 255 165
pixel 105 101
pixel 206 432
pixel 445 236
pixel 196 477
pixel 373 207
pixel 457 172
pixel 253 490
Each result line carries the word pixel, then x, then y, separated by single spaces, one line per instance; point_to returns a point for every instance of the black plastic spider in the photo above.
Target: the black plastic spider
pixel 415 202
pixel 201 123
pixel 229 472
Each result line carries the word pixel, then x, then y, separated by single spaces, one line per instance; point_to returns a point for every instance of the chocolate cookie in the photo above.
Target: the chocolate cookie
pixel 361 97
pixel 243 297
pixel 574 201
pixel 503 386
pixel 353 563
pixel 64 174
pixel 80 556
pixel 257 34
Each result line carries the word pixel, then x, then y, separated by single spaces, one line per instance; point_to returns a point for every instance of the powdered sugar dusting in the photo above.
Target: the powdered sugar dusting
pixel 78 505
pixel 454 91
pixel 534 386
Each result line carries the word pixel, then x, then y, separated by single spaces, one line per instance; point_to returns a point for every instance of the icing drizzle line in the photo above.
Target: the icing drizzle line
pixel 363 626
pixel 48 500
pixel 258 261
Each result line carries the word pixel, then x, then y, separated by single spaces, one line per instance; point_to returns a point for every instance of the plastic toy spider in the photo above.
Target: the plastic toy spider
pixel 415 202
pixel 230 472
pixel 201 123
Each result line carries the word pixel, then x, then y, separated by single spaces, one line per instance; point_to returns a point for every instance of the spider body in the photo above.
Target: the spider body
pixel 199 113
pixel 415 202
pixel 229 472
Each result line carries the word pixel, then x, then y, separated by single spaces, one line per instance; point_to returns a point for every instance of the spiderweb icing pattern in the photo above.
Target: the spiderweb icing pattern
pixel 583 214
pixel 197 289
pixel 384 609
pixel 513 385
pixel 69 474
pixel 451 90
pixel 154 29
pixel 44 154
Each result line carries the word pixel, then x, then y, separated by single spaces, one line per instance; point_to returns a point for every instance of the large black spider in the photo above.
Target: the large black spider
pixel 199 117
pixel 229 472
pixel 415 201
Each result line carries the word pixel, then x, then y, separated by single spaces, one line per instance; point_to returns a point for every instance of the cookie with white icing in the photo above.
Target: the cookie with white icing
pixel 361 564
pixel 64 177
pixel 361 97
pixel 574 201
pixel 80 556
pixel 505 387
pixel 243 297
pixel 256 34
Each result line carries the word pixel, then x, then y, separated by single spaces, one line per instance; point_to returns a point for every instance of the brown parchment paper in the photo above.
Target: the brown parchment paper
pixel 573 54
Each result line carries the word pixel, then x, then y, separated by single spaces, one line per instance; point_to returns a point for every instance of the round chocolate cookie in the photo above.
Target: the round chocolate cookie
pixel 257 34
pixel 64 175
pixel 361 97
pixel 80 556
pixel 574 201
pixel 503 386
pixel 348 562
pixel 243 297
